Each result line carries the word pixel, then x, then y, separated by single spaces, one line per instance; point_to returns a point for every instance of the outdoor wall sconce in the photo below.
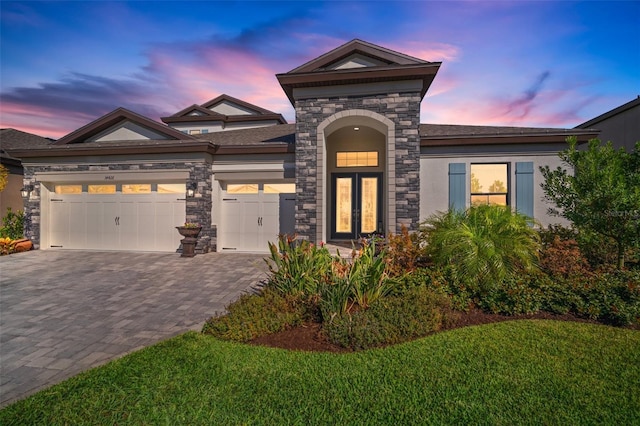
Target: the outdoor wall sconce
pixel 26 191
pixel 191 189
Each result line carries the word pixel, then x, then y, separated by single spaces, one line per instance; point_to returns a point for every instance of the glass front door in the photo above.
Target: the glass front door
pixel 356 205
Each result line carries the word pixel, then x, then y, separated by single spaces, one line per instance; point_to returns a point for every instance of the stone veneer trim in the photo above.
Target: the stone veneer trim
pixel 337 120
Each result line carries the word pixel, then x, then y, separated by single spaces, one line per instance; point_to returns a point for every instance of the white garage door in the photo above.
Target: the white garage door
pixel 130 217
pixel 254 214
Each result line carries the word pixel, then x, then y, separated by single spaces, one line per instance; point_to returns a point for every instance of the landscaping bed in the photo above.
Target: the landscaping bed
pixel 309 337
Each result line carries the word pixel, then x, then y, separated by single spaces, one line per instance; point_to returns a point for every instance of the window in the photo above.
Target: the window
pixel 136 188
pixel 489 184
pixel 357 159
pixel 279 188
pixel 101 189
pixel 243 188
pixel 68 189
pixel 172 188
pixel 195 132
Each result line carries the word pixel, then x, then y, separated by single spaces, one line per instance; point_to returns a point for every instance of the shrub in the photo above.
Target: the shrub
pixel 12 225
pixel 297 267
pixel 514 296
pixel 483 245
pixel 610 297
pixel 599 251
pixel 404 252
pixel 391 320
pixel 563 258
pixel 254 315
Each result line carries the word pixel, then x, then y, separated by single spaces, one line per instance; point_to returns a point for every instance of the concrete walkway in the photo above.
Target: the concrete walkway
pixel 64 312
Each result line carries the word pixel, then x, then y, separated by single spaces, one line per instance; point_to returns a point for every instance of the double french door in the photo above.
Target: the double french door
pixel 356 209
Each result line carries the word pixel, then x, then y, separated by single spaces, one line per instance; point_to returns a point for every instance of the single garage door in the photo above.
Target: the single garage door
pixel 130 217
pixel 254 214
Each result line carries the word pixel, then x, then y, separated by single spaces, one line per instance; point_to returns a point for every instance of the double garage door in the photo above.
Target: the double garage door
pixel 254 214
pixel 134 217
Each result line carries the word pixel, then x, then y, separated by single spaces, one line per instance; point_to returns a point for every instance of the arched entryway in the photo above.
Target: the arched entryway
pixel 356 175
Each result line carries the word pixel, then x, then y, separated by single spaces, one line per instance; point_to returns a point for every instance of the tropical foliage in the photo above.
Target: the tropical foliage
pixel 598 191
pixel 484 244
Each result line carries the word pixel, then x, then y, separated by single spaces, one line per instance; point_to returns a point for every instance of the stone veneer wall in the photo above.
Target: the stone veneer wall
pixel 401 108
pixel 198 208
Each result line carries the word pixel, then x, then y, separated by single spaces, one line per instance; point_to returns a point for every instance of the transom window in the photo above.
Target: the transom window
pixel 357 159
pixel 101 189
pixel 267 188
pixel 68 189
pixel 136 188
pixel 489 184
pixel 124 188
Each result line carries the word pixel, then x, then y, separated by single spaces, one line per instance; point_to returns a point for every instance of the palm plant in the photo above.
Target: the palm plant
pixel 484 244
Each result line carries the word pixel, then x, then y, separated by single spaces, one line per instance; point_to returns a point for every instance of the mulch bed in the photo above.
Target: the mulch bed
pixel 307 337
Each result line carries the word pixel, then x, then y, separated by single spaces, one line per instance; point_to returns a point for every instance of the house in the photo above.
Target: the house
pixel 621 125
pixel 15 139
pixel 356 161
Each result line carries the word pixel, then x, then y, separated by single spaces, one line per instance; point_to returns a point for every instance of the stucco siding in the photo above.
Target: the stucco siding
pixel 434 172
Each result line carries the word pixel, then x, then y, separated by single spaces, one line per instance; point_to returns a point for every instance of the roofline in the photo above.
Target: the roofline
pixel 425 72
pixel 180 147
pixel 609 114
pixel 225 118
pixel 78 150
pixel 504 139
pixel 195 107
pixel 362 47
pixel 113 118
pixel 225 97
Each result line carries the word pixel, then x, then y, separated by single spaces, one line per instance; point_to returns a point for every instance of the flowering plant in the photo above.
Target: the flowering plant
pixel 191 225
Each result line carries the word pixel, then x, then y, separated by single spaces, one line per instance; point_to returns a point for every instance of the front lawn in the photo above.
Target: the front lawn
pixel 514 372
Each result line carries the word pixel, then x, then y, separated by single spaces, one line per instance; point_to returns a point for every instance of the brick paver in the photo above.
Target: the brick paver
pixel 63 312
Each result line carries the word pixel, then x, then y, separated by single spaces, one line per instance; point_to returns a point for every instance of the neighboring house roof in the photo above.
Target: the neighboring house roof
pixel 358 62
pixel 607 115
pixel 115 117
pixel 11 139
pixel 205 112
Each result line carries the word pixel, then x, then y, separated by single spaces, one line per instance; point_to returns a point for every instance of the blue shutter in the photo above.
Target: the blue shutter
pixel 524 188
pixel 457 186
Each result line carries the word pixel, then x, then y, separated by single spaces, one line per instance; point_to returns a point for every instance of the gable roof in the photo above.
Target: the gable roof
pixel 11 139
pixel 622 108
pixel 386 65
pixel 115 117
pixel 257 113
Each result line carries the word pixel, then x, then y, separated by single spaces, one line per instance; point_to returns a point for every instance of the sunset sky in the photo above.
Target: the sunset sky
pixel 540 63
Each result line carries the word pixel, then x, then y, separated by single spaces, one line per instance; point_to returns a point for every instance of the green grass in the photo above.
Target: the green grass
pixel 516 372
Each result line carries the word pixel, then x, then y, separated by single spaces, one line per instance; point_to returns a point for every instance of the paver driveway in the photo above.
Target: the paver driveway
pixel 63 312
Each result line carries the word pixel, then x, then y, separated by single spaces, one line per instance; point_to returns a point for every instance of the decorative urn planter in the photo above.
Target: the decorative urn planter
pixel 190 234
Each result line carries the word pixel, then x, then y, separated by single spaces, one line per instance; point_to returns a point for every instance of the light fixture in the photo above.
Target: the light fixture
pixel 356 128
pixel 191 189
pixel 26 191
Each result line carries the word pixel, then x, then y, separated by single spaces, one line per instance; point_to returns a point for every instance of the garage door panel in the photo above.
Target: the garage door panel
pixel 250 221
pixel 77 225
pixel 116 222
pixel 59 223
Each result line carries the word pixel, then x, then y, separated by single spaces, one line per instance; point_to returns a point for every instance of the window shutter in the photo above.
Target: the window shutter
pixel 457 186
pixel 524 188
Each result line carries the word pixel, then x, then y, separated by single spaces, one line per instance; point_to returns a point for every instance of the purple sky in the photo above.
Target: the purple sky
pixel 541 63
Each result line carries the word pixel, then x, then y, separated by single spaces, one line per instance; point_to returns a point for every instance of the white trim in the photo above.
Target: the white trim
pixel 112 176
pixel 337 121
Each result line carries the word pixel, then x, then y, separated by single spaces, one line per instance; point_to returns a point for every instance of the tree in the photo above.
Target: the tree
pixel 475 184
pixel 602 194
pixel 4 177
pixel 497 186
